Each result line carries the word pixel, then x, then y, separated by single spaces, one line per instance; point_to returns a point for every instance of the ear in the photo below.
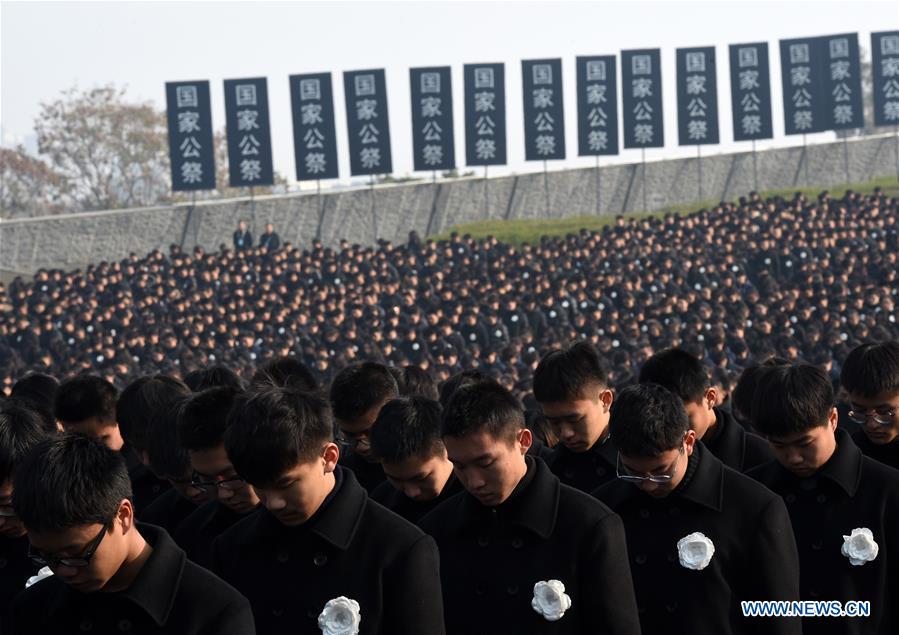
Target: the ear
pixel 525 438
pixel 125 515
pixel 690 441
pixel 330 456
pixel 833 419
pixel 711 397
pixel 606 396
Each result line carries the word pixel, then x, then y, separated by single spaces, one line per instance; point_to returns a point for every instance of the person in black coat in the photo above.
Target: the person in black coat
pixel 832 492
pixel 406 440
pixel 519 551
pixel 685 376
pixel 269 239
pixel 357 394
pixel 870 375
pixel 243 239
pixel 701 536
pixel 571 386
pixel 111 574
pixel 319 541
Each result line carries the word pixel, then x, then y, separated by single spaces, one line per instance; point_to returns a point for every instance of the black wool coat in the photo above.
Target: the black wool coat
pixel 171 595
pixel 197 531
pixel 413 511
pixel 585 470
pixel 849 491
pixel 168 511
pixel 734 446
pixel 351 547
pixel 887 454
pixel 491 558
pixel 755 554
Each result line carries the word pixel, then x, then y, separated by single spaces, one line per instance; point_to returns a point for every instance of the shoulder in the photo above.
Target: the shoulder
pixel 446 515
pixel 201 587
pixel 578 506
pixel 242 532
pixel 384 493
pixel 885 476
pixel 35 599
pixel 380 521
pixel 744 491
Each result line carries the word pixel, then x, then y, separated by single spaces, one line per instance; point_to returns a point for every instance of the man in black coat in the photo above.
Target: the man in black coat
pixel 701 536
pixel 870 375
pixel 270 239
pixel 684 375
pixel 319 546
pixel 835 496
pixel 406 440
pixel 111 574
pixel 519 551
pixel 243 239
pixel 571 386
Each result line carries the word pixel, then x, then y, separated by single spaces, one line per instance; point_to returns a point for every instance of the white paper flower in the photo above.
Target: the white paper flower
pixel 43 573
pixel 340 617
pixel 695 551
pixel 550 599
pixel 859 546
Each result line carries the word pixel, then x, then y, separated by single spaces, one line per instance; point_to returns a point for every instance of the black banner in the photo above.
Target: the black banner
pixel 597 106
pixel 544 117
pixel 750 91
pixel 249 134
pixel 885 60
pixel 432 118
pixel 697 96
pixel 314 139
pixel 191 149
pixel 367 125
pixel 641 98
pixel 804 91
pixel 485 114
pixel 843 81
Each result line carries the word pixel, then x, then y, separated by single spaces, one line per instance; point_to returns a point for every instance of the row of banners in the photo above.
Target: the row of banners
pixel 821 91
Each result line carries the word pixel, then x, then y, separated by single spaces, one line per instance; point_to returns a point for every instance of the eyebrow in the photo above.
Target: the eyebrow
pixel 476 459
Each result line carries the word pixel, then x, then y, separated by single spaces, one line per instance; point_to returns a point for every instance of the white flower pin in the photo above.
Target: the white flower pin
pixel 859 546
pixel 43 573
pixel 340 617
pixel 695 551
pixel 550 600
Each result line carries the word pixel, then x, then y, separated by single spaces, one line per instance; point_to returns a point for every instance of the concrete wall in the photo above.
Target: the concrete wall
pixel 392 211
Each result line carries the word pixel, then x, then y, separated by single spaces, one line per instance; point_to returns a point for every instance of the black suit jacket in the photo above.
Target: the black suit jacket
pixel 755 553
pixel 491 558
pixel 849 491
pixel 351 547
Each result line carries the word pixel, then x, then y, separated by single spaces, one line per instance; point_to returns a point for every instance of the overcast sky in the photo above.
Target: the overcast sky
pixel 46 47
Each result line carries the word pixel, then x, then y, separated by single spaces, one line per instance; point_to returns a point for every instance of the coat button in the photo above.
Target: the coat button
pixel 480 590
pixel 517 543
pixel 600 471
pixel 568 474
pixel 312 614
pixel 85 626
pixel 790 498
pixel 3 563
pixel 282 556
pixel 670 558
pixel 512 589
pixel 320 559
pixel 644 514
pixel 124 625
pixel 821 498
pixel 814 593
pixel 640 558
pixel 483 541
pixel 674 511
pixel 817 545
pixel 277 612
pixel 671 607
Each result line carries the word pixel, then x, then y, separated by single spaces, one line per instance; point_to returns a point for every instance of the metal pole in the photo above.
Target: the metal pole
pixel 546 188
pixel 598 188
pixel 374 215
pixel 846 159
pixel 643 160
pixel 486 208
pixel 318 204
pixel 434 177
pixel 699 167
pixel 755 167
pixel 896 132
pixel 805 158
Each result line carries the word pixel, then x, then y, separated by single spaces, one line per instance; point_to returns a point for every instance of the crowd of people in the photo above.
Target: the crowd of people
pixel 796 278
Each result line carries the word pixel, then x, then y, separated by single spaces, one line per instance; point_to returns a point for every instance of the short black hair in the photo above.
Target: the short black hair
pixel 791 399
pixel 168 458
pixel 565 374
pixel 407 427
pixel 482 406
pixel 285 371
pixel 212 377
pixel 39 389
pixel 67 481
pixel 85 397
pixel 21 428
pixel 274 428
pixel 417 381
pixel 463 378
pixel 871 369
pixel 140 400
pixel 360 387
pixel 678 371
pixel 743 395
pixel 647 420
pixel 203 418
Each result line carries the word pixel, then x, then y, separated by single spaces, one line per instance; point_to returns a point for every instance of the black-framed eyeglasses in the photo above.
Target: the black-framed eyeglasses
pixel 7 511
pixel 231 484
pixel 652 478
pixel 353 440
pixel 77 563
pixel 883 416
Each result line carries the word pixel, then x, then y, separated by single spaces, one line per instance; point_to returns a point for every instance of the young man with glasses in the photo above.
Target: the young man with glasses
pixel 319 553
pixel 202 423
pixel 870 375
pixel 701 537
pixel 357 394
pixel 110 574
pixel 519 551
pixel 833 493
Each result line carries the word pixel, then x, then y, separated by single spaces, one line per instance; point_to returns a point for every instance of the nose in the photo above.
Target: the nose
pixel 649 486
pixel 275 503
pixel 413 491
pixel 224 493
pixel 794 459
pixel 566 433
pixel 65 572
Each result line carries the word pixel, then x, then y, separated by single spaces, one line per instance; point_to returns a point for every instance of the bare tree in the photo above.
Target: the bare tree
pixel 28 187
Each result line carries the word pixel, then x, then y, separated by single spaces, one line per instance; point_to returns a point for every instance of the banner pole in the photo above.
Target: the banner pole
pixel 846 159
pixel 546 188
pixel 896 132
pixel 755 168
pixel 643 160
pixel 598 189
pixel 699 167
pixel 805 158
pixel 374 215
pixel 318 204
pixel 486 209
